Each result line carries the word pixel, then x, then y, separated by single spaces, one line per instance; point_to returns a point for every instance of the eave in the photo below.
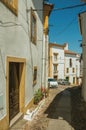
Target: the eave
pixel 48 8
pixel 70 52
pixel 56 45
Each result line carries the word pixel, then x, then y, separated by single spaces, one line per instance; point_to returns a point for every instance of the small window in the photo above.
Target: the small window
pixel 55 56
pixel 33 27
pixel 35 75
pixel 67 70
pixel 73 70
pixel 70 62
pixel 12 5
pixel 55 68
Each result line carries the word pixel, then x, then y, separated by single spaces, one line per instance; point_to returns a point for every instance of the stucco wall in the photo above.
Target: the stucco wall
pixel 75 64
pixel 60 61
pixel 15 42
pixel 83 25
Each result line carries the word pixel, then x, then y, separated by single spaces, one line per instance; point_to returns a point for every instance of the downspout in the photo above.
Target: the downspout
pixel 45 69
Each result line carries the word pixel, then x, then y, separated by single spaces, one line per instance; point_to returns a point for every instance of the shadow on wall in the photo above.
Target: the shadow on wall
pixel 77 109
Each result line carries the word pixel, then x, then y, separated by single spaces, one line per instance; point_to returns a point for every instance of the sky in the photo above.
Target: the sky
pixel 64 25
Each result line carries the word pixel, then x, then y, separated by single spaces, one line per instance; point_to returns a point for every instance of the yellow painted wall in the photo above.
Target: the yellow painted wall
pixel 12 5
pixel 46 13
pixel 4 124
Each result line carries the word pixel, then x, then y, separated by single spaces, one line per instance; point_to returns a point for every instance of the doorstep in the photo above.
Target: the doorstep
pixel 22 122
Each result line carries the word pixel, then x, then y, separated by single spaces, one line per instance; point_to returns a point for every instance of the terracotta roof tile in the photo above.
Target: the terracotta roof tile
pixel 70 52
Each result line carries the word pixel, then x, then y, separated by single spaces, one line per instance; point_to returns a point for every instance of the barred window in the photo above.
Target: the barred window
pixel 33 27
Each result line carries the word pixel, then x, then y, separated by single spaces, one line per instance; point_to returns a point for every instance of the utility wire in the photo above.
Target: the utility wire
pixel 70 7
pixel 63 8
pixel 66 27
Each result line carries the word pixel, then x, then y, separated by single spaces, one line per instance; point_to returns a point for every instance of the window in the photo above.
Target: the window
pixel 35 75
pixel 55 56
pixel 73 70
pixel 70 62
pixel 67 70
pixel 74 80
pixel 55 68
pixel 33 27
pixel 12 5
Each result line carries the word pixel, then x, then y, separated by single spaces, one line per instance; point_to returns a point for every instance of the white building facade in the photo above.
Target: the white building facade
pixel 56 61
pixel 72 67
pixel 63 63
pixel 21 44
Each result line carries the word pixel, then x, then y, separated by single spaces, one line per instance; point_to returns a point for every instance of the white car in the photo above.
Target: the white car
pixel 52 82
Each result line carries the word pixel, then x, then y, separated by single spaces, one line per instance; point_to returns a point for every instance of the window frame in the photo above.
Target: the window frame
pixel 10 6
pixel 33 34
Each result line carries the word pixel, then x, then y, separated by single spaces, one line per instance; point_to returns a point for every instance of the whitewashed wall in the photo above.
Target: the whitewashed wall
pixel 75 65
pixel 15 42
pixel 60 61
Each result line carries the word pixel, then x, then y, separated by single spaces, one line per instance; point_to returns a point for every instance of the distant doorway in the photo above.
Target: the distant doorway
pixel 67 78
pixel 55 77
pixel 73 80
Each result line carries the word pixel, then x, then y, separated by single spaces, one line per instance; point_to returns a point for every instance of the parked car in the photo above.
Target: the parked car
pixel 63 82
pixel 52 82
pixel 60 81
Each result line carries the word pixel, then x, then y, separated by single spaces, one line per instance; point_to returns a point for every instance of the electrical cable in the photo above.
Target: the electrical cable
pixel 63 8
pixel 69 24
pixel 70 7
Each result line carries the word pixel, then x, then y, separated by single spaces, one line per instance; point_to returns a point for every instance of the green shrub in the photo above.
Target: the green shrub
pixel 38 96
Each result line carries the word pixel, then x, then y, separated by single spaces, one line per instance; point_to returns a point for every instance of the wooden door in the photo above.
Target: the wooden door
pixel 14 81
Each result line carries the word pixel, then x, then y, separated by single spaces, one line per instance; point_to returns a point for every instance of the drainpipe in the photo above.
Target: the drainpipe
pixel 45 60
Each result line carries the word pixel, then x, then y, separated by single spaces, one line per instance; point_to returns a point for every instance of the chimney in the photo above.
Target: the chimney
pixel 66 46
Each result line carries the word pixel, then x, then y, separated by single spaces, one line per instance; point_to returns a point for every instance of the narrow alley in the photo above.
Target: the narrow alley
pixel 64 109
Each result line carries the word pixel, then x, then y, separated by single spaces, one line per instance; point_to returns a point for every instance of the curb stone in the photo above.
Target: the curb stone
pixel 30 115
